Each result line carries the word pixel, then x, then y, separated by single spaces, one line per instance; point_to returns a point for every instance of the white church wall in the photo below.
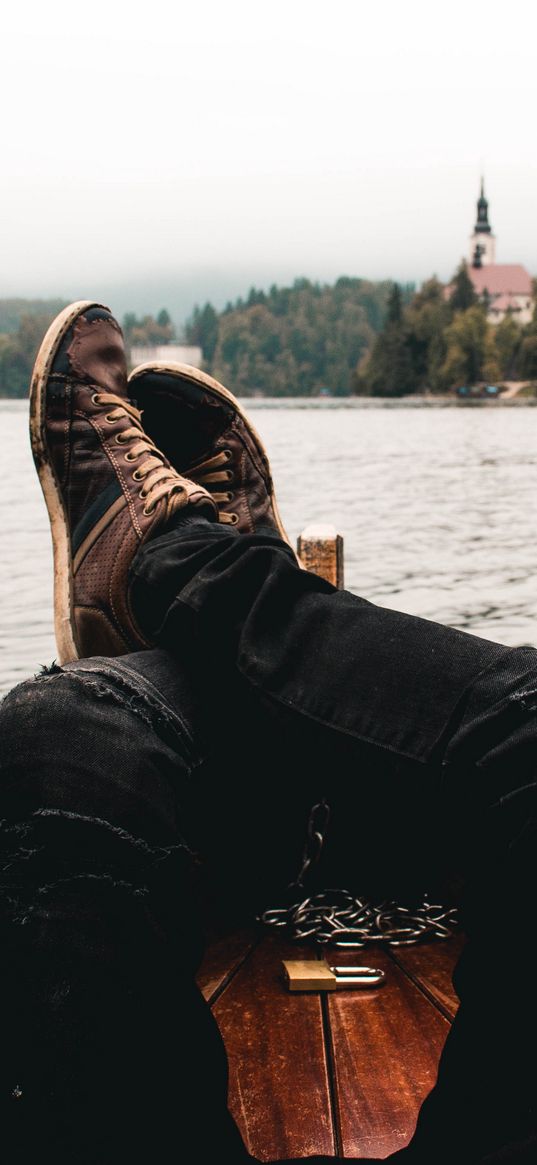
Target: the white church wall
pixel 488 243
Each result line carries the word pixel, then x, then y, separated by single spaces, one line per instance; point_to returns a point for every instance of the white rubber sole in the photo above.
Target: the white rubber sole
pixel 64 626
pixel 196 376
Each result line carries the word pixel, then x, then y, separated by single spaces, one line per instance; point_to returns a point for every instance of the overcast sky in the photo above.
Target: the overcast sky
pixel 155 142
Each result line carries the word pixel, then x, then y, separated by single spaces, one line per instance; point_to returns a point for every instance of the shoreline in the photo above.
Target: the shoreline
pixel 417 401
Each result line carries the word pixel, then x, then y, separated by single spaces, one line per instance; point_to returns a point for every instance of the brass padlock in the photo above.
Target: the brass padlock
pixel 316 975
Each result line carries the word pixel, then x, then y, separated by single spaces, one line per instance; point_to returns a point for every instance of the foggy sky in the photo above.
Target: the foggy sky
pixel 147 144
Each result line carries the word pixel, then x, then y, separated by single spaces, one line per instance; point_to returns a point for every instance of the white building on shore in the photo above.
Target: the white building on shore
pixel 178 353
pixel 506 287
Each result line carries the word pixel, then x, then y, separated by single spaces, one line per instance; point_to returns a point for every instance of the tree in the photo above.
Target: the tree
pixel 507 337
pixel 528 357
pixel 14 371
pixel 395 305
pixel 202 329
pixel 390 371
pixel 467 348
pixel 130 322
pixel 426 320
pixel 491 371
pixel 18 351
pixel 296 340
pixel 527 362
pixel 255 297
pixel 462 295
pixel 147 330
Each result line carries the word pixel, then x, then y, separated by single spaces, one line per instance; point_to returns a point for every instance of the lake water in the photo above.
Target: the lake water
pixel 436 505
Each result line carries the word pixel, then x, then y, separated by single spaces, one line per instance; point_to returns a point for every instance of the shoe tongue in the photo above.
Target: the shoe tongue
pixel 96 352
pixel 187 426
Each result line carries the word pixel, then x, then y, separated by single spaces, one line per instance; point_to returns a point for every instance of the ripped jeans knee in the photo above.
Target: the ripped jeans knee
pixel 97 923
pixel 93 772
pixel 98 739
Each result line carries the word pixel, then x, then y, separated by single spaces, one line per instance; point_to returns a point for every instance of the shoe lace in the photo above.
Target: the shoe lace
pixel 160 479
pixel 212 474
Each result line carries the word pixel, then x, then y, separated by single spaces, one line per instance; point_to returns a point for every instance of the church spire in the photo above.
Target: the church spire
pixel 482 226
pixel 482 242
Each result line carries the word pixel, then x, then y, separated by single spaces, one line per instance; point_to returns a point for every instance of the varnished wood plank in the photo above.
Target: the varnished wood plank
pixel 385 1046
pixel 222 959
pixel 279 1089
pixel 431 966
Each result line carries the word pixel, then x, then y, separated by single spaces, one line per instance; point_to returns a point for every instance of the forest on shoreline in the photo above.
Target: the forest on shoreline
pixel 353 337
pixel 363 339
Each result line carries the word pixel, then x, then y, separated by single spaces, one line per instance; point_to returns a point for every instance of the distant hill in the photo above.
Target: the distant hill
pixel 292 341
pixel 12 311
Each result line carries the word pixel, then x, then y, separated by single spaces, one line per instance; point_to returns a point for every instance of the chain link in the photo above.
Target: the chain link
pixel 345 920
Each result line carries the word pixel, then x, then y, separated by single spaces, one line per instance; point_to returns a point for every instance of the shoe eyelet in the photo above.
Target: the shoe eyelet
pixel 229 496
pixel 96 398
pixel 148 510
pixel 131 456
pixel 142 493
pixel 228 454
pixel 119 439
pixel 137 476
pixel 110 420
pixel 229 474
pixel 233 518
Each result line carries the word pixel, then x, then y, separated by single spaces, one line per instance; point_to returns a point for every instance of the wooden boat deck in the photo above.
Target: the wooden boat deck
pixel 340 1073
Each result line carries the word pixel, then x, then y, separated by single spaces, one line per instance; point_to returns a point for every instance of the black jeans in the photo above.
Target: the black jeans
pixel 268 690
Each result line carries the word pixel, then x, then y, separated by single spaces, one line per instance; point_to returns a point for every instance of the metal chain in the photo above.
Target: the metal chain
pixel 345 920
pixel 317 826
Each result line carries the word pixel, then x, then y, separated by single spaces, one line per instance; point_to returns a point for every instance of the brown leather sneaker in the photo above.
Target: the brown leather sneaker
pixel 207 435
pixel 106 485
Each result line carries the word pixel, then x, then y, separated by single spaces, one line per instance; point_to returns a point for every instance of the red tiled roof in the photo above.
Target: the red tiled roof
pixel 501 279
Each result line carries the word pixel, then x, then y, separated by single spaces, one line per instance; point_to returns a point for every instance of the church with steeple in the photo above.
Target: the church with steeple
pixel 505 287
pixel 482 242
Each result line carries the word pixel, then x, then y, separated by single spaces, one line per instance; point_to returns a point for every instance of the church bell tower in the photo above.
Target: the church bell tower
pixel 482 242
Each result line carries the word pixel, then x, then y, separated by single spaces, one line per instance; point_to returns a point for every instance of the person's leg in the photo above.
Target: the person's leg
pixel 486 1085
pixel 117 778
pixel 242 607
pixel 395 699
pixel 386 691
pixel 108 1055
pixel 108 489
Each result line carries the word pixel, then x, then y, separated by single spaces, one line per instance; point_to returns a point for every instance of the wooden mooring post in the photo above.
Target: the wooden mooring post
pixel 320 549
